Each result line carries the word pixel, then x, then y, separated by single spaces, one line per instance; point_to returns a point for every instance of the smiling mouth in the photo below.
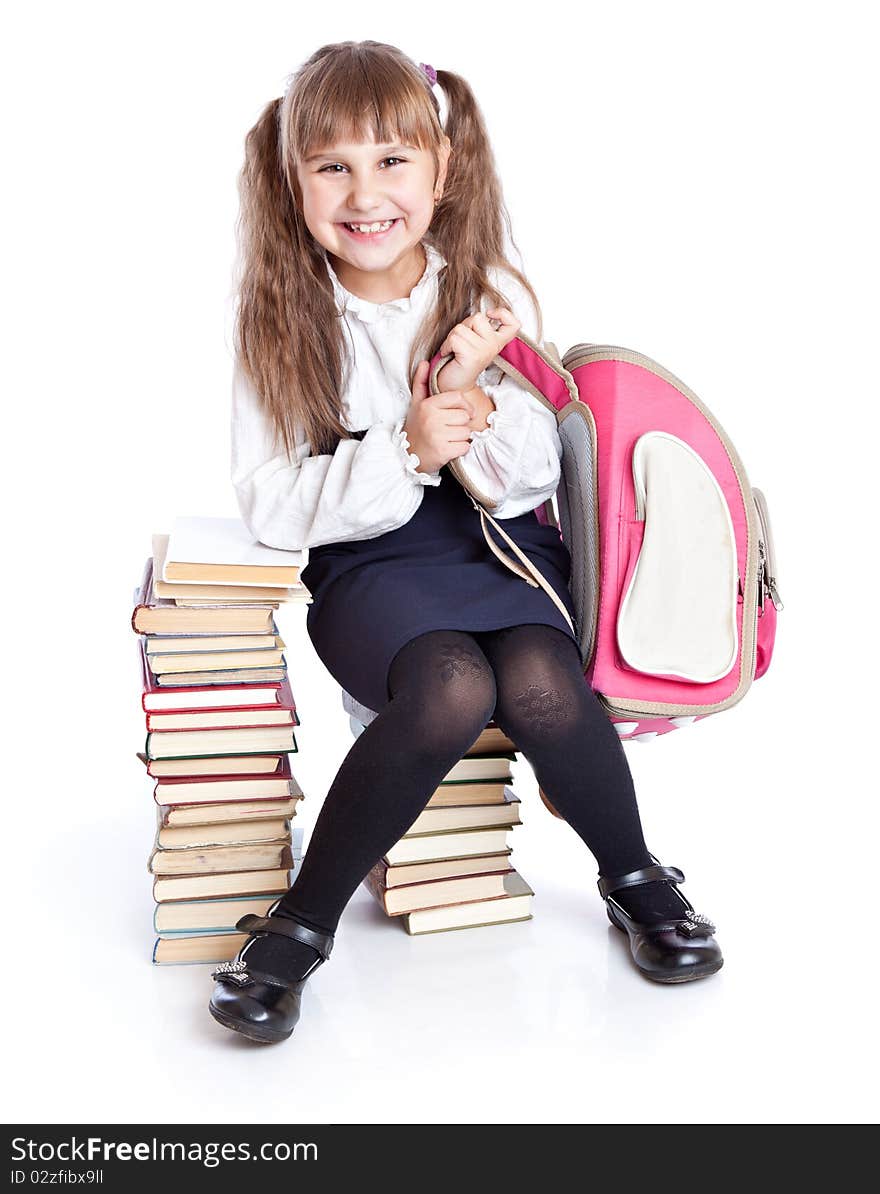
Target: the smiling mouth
pixel 371 231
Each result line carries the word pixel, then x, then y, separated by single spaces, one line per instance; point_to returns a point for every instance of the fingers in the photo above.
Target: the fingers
pixel 505 317
pixel 497 326
pixel 508 324
pixel 420 381
pixel 452 400
pixel 461 337
pixel 456 418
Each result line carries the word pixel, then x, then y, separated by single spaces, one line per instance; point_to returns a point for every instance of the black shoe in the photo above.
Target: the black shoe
pixel 670 951
pixel 258 1005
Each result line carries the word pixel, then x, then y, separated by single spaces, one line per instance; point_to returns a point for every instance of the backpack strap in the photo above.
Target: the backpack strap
pixel 538 370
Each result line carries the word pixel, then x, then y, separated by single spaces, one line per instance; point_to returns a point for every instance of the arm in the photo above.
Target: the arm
pixel 515 451
pixel 365 488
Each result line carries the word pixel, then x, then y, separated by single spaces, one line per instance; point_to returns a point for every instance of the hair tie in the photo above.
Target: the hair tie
pixel 430 72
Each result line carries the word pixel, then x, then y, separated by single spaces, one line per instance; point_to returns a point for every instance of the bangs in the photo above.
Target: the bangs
pixel 349 99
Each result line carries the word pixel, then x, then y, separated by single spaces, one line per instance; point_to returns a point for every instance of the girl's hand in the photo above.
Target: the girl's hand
pixel 475 342
pixel 437 425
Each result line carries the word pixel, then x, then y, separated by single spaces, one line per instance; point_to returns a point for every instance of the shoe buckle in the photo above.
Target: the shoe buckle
pixel 235 972
pixel 695 924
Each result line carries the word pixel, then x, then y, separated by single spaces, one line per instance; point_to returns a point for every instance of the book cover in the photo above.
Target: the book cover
pixel 223 551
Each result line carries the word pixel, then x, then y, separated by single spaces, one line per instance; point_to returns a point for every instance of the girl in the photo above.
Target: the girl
pixel 372 238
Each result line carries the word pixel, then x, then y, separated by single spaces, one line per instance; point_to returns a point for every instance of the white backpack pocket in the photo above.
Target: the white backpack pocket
pixel 678 616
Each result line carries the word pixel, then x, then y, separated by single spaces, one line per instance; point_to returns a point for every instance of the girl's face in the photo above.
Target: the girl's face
pixel 346 188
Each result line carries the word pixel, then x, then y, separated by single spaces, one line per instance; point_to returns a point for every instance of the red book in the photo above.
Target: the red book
pixel 216 789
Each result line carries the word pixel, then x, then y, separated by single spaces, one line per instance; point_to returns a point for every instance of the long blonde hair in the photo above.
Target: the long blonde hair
pixel 288 335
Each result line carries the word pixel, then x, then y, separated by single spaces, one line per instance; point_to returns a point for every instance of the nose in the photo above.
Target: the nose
pixel 365 194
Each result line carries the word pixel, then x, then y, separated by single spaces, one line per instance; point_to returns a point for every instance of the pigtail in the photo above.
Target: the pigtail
pixel 469 222
pixel 285 293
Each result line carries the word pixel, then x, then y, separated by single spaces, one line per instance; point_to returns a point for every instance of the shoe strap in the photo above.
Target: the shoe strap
pixel 648 874
pixel 283 926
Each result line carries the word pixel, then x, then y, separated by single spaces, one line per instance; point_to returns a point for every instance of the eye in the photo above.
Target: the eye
pixel 332 166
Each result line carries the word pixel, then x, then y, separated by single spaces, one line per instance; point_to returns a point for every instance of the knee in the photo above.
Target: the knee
pixel 541 709
pixel 459 708
pixel 463 710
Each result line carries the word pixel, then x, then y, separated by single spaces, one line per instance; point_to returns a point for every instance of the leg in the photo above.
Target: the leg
pixel 442 695
pixel 546 707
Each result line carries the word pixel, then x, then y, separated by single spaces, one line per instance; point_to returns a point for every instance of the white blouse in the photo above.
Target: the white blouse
pixel 370 486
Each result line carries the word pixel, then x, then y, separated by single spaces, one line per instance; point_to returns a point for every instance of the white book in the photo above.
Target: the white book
pixel 203 548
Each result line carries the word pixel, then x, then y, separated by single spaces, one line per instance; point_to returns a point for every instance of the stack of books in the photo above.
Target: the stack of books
pixel 452 868
pixel 220 717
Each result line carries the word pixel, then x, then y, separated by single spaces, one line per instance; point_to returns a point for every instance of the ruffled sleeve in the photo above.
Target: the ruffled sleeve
pixel 516 459
pixel 411 459
pixel 360 491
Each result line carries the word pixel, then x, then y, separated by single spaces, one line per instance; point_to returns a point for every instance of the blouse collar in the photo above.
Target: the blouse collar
pixel 368 312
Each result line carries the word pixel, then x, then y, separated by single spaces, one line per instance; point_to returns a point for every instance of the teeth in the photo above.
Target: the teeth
pixel 371 227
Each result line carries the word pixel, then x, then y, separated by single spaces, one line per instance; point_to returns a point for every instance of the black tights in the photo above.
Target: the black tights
pixel 445 687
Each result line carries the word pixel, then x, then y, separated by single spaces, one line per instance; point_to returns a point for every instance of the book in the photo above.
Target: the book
pixel 213 860
pixel 158 615
pixel 224 719
pixel 483 767
pixel 476 816
pixel 468 792
pixel 186 594
pixel 432 847
pixel 218 765
pixel 242 675
pixel 223 551
pixel 232 812
pixel 514 905
pixel 296 595
pixel 174 644
pixel 229 787
pixel 492 740
pixel 208 696
pixel 190 917
pixel 189 744
pixel 444 868
pixel 219 833
pixel 194 887
pixel 204 947
pixel 212 661
pixel 396 901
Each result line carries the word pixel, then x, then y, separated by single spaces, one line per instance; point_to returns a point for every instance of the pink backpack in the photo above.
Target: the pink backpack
pixel 673 572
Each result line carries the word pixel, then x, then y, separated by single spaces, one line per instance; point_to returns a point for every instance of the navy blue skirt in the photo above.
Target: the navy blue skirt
pixel 372 596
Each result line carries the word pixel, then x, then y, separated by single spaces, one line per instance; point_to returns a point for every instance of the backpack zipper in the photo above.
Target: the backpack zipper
pixel 767 563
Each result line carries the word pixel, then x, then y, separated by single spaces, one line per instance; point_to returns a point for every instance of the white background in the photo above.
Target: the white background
pixel 691 180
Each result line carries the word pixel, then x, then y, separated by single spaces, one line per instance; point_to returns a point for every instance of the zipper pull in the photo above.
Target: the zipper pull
pixel 774 593
pixel 766 583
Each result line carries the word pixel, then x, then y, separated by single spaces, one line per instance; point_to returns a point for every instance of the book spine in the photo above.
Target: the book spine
pixel 375 885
